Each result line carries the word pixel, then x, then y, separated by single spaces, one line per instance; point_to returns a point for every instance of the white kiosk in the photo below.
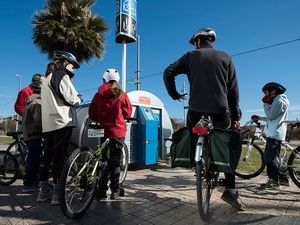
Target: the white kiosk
pixel 152 117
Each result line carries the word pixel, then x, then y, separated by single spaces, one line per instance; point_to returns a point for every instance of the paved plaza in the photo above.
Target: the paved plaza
pixel 159 195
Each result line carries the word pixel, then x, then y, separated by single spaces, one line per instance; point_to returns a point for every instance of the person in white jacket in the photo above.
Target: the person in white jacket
pixel 276 109
pixel 59 99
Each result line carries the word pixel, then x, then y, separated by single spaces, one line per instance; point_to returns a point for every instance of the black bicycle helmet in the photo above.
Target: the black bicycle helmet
pixel 58 55
pixel 204 32
pixel 274 86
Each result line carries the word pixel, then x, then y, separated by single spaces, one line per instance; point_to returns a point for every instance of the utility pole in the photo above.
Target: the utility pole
pixel 138 64
pixel 183 92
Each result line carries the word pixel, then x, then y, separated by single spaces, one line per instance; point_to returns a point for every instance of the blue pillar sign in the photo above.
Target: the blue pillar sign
pixel 126 21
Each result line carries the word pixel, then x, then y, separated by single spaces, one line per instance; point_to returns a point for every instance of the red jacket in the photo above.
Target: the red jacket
pixel 21 99
pixel 110 111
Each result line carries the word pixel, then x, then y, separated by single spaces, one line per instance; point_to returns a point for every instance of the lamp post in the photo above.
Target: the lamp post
pixel 20 86
pixel 20 81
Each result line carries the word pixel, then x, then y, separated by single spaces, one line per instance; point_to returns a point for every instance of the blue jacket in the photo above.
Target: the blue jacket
pixel 276 113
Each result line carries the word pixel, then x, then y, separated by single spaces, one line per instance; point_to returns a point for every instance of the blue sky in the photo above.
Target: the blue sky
pixel 165 28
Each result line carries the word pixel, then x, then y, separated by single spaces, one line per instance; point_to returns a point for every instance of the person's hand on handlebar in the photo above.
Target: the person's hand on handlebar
pixel 255 117
pixel 182 97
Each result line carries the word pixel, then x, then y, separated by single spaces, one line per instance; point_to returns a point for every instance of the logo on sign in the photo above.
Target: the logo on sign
pixel 129 8
pixel 144 100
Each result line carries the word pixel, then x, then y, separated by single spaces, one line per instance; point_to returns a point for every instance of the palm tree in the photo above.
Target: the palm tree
pixel 69 25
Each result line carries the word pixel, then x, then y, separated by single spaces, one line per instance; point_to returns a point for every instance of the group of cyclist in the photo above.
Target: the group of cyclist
pixel 52 101
pixel 48 109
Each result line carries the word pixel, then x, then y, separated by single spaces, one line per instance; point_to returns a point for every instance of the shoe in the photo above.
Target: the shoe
pixel 55 195
pixel 43 196
pixel 284 181
pixel 100 194
pixel 116 194
pixel 29 188
pixel 270 184
pixel 55 199
pixel 233 199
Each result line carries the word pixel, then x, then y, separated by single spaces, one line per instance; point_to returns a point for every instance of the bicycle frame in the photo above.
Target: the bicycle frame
pixel 259 135
pixel 202 128
pixel 98 156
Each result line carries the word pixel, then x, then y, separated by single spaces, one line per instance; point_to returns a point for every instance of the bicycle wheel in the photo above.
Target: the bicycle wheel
pixel 77 183
pixel 20 154
pixel 123 164
pixel 250 165
pixel 8 168
pixel 203 183
pixel 294 167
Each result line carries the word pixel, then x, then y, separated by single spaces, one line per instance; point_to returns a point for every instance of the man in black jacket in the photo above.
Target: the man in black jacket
pixel 213 91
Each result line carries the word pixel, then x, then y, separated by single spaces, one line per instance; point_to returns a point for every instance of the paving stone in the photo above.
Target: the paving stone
pixel 161 195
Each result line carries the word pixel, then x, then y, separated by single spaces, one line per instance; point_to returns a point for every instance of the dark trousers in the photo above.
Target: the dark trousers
pixel 271 158
pixel 112 171
pixel 56 145
pixel 32 162
pixel 219 121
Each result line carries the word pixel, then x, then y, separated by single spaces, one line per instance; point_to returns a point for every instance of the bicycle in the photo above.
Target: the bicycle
pixel 15 155
pixel 81 173
pixel 206 179
pixel 251 162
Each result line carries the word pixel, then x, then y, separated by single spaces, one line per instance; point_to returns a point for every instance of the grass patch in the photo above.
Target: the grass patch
pixel 5 140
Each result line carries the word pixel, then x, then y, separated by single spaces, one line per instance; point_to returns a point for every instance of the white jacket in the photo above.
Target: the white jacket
pixel 58 98
pixel 276 113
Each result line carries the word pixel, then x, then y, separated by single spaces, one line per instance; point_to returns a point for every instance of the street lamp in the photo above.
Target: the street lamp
pixel 20 86
pixel 20 81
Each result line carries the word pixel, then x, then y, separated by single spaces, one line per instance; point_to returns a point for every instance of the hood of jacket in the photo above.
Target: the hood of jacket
pixel 109 91
pixel 32 97
pixel 283 98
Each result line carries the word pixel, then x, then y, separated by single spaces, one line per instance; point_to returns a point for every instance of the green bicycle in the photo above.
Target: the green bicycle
pixel 81 173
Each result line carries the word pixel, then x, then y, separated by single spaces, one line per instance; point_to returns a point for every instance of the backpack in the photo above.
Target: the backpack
pixel 180 149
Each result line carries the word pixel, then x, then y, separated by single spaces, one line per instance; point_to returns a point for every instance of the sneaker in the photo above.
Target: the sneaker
pixel 270 184
pixel 284 181
pixel 116 194
pixel 233 199
pixel 55 195
pixel 55 199
pixel 43 196
pixel 31 188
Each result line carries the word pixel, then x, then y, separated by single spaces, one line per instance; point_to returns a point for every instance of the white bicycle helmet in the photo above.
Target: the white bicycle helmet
pixel 204 32
pixel 111 74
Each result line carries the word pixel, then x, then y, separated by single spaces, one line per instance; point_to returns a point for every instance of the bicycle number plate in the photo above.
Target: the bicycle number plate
pixel 95 133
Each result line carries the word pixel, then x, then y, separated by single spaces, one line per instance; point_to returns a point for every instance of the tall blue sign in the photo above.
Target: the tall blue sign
pixel 126 21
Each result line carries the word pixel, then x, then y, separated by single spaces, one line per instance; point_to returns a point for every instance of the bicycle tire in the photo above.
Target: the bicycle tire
pixel 20 155
pixel 8 168
pixel 123 164
pixel 79 190
pixel 294 167
pixel 254 165
pixel 203 183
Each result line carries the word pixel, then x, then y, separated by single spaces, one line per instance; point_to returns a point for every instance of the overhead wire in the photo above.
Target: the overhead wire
pixel 234 55
pixel 240 53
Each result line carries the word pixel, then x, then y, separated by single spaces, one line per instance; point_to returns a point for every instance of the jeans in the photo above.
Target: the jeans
pixel 271 158
pixel 33 162
pixel 220 121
